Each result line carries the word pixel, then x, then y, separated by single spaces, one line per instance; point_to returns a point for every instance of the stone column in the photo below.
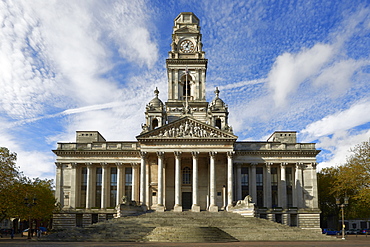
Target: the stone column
pixel 160 206
pixel 239 182
pixel 282 200
pixel 253 183
pixel 267 186
pixel 147 190
pixel 315 202
pixel 89 189
pixel 176 85
pixel 59 184
pixel 229 180
pixel 195 207
pixel 73 195
pixel 212 185
pixel 178 207
pixel 104 185
pixel 143 180
pixel 134 184
pixel 120 185
pixel 298 185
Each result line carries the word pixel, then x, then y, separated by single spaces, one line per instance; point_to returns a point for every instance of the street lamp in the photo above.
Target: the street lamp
pixel 29 205
pixel 342 205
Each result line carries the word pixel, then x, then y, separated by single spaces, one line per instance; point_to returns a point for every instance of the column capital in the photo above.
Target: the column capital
pixel 59 165
pixel 134 164
pixel 268 164
pixel 299 165
pixel 74 165
pixel 88 164
pixel 143 154
pixel 177 154
pixel 119 164
pixel 254 164
pixel 195 154
pixel 314 164
pixel 283 164
pixel 212 153
pixel 230 154
pixel 104 164
pixel 160 153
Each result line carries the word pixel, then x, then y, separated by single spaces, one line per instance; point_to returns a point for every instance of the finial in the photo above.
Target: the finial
pixel 156 92
pixel 217 92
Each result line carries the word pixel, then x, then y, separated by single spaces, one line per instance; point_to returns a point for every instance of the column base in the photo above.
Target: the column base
pixel 160 208
pixel 195 208
pixel 177 208
pixel 213 208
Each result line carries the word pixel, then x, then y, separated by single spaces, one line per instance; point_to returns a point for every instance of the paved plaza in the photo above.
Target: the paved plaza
pixel 349 242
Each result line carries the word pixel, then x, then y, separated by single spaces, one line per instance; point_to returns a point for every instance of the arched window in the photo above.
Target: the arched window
pixel 186 89
pixel 218 123
pixel 154 123
pixel 186 175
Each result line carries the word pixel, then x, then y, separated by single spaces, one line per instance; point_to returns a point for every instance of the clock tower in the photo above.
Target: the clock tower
pixel 186 70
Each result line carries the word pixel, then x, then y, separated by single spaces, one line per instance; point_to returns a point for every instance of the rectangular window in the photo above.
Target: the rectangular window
pixel 98 186
pixel 245 181
pixel 83 186
pixel 289 176
pixel 113 186
pixel 186 175
pixel 259 183
pixel 274 176
pixel 128 183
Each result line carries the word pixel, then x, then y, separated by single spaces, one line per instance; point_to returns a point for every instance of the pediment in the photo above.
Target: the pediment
pixel 187 128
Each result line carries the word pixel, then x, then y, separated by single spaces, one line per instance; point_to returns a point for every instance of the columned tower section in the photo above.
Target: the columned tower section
pixel 186 69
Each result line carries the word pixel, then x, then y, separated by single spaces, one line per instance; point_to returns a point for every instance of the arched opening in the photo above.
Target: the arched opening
pixel 154 123
pixel 186 89
pixel 218 123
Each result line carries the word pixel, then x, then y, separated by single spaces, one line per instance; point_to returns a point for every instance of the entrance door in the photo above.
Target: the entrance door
pixel 186 200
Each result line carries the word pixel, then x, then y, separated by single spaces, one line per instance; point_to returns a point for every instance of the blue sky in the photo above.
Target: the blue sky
pixel 93 65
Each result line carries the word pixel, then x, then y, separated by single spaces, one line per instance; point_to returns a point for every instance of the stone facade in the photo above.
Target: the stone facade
pixel 187 157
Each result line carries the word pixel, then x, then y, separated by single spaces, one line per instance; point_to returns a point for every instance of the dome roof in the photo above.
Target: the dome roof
pixel 217 103
pixel 156 102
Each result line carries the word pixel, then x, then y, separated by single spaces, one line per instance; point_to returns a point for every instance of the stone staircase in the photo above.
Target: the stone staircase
pixel 187 227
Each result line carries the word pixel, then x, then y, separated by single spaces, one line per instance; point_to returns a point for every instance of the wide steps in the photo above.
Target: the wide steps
pixel 187 227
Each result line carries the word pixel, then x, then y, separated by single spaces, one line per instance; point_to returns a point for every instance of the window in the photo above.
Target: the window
pixel 98 187
pixel 186 89
pixel 186 175
pixel 83 186
pixel 128 182
pixel 218 123
pixel 113 186
pixel 154 123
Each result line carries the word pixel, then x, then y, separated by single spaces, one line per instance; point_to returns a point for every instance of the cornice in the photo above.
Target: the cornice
pixel 96 153
pixel 186 61
pixel 312 153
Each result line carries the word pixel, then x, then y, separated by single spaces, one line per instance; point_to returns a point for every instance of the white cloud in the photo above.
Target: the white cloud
pixel 356 115
pixel 290 70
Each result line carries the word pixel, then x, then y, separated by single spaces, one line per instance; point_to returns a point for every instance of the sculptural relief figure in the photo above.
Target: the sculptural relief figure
pixel 246 203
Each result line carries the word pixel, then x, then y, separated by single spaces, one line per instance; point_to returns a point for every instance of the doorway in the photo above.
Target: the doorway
pixel 186 200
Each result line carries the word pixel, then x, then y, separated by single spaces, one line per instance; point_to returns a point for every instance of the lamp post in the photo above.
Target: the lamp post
pixel 29 205
pixel 342 205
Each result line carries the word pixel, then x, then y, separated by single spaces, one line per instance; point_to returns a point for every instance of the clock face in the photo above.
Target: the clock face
pixel 186 46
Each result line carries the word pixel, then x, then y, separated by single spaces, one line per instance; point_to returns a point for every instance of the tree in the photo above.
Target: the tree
pixel 352 180
pixel 9 175
pixel 15 188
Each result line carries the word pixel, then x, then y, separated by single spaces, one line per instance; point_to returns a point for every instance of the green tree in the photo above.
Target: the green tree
pixel 15 188
pixel 9 176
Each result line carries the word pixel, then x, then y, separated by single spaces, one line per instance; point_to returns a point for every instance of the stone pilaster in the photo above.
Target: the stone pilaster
pixel 104 185
pixel 212 185
pixel 59 184
pixel 89 188
pixel 253 183
pixel 160 206
pixel 120 183
pixel 267 186
pixel 282 199
pixel 229 180
pixel 143 180
pixel 178 207
pixel 73 197
pixel 195 207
